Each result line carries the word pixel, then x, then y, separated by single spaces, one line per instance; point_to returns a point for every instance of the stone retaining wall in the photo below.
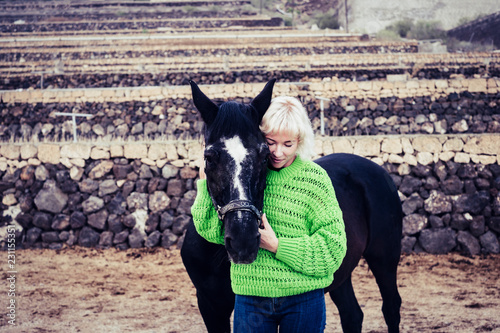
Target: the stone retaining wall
pixel 353 108
pixel 139 194
pixel 214 69
pixel 395 86
pixel 145 24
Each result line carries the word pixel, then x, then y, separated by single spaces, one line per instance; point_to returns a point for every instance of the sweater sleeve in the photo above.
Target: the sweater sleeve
pixel 322 251
pixel 205 217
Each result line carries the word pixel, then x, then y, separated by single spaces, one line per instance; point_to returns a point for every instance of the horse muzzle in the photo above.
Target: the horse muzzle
pixel 242 237
pixel 242 250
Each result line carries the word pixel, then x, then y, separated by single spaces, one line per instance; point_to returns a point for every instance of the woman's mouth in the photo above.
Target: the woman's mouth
pixel 276 162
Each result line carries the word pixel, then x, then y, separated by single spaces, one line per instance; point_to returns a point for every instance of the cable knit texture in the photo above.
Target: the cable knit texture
pixel 301 207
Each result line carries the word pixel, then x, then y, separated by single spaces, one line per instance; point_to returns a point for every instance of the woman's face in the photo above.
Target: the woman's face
pixel 283 148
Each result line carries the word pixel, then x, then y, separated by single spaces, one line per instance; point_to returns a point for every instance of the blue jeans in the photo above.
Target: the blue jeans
pixel 304 313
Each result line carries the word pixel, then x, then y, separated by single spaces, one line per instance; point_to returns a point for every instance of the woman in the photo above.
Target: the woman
pixel 303 238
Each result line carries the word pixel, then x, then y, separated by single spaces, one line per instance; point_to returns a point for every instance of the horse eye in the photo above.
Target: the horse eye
pixel 209 156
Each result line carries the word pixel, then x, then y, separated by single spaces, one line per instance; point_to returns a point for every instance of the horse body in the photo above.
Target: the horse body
pixel 367 197
pixel 372 215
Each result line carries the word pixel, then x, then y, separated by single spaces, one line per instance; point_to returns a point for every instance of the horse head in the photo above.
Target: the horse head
pixel 235 165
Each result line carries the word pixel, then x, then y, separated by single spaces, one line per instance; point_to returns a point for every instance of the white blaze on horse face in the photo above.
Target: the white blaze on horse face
pixel 238 152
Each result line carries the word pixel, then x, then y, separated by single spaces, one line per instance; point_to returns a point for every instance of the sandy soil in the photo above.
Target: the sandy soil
pixel 88 290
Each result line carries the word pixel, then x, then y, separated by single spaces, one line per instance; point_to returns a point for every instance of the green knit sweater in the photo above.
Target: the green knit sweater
pixel 301 207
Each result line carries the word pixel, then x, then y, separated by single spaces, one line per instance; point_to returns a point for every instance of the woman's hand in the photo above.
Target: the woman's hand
pixel 268 239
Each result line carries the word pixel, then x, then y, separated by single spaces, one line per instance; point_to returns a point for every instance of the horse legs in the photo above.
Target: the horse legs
pixel 385 272
pixel 208 268
pixel 351 315
pixel 215 308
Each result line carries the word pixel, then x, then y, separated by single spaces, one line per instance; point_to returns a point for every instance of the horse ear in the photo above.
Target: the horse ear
pixel 205 106
pixel 263 100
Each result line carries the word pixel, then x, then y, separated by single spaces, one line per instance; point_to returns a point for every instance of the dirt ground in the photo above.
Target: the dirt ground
pixel 88 290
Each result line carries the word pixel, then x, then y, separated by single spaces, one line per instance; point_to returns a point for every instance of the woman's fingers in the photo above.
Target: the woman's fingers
pixel 265 222
pixel 268 238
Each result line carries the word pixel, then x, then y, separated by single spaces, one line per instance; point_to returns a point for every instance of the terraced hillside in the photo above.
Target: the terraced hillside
pixel 114 44
pixel 122 69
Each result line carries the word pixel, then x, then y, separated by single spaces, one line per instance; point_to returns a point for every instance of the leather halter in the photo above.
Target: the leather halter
pixel 238 205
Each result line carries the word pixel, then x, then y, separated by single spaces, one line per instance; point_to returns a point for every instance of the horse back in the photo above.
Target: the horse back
pixel 370 206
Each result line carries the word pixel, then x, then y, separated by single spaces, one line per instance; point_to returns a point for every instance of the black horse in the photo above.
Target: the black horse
pixel 235 165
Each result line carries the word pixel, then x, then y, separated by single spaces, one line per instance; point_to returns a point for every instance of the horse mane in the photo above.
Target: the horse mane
pixel 233 118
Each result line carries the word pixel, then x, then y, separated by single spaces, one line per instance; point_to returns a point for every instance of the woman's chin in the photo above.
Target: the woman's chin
pixel 276 165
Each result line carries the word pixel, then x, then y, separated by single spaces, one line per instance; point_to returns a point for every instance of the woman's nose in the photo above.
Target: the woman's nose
pixel 277 151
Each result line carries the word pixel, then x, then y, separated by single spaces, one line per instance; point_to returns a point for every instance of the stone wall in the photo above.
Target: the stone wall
pixel 139 194
pixel 130 181
pixel 144 24
pixel 129 195
pixel 401 86
pixel 449 187
pixel 354 108
pixel 343 61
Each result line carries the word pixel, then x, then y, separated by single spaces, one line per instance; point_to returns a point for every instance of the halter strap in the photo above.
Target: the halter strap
pixel 236 205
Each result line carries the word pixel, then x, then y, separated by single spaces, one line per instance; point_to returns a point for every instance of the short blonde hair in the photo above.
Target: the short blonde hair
pixel 287 114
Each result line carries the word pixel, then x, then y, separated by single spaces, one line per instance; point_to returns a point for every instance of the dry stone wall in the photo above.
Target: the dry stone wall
pixel 343 61
pixel 354 108
pixel 143 23
pixel 130 195
pixel 439 140
pixel 399 86
pixel 139 194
